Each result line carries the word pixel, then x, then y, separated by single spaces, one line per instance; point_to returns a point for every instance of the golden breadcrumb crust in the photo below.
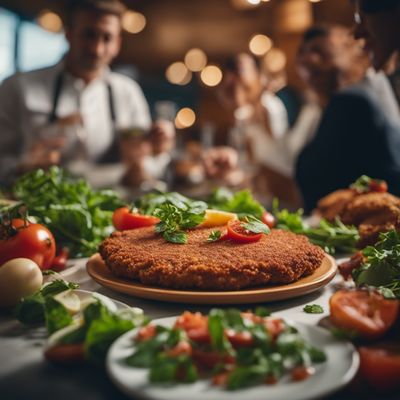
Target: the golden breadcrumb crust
pixel 142 255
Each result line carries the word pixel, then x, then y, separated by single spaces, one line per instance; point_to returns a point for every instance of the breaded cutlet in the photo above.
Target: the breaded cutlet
pixel 332 205
pixel 142 255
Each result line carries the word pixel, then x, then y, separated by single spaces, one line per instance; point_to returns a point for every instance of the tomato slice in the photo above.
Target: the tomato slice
pixel 237 233
pixel 123 219
pixel 268 219
pixel 380 366
pixel 368 314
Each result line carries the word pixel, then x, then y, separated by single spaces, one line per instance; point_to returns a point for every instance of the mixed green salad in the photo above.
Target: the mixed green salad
pixel 235 349
pixel 78 216
pixel 91 323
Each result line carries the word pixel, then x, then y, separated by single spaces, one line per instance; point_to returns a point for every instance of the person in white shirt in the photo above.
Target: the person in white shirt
pixel 78 105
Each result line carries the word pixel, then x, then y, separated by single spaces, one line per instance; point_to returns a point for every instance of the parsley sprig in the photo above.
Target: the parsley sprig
pixel 177 214
pixel 381 268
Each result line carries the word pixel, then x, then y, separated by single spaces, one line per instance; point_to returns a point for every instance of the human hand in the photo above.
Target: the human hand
pixel 162 136
pixel 220 161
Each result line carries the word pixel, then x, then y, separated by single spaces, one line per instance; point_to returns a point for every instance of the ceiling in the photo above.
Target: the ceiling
pixel 216 26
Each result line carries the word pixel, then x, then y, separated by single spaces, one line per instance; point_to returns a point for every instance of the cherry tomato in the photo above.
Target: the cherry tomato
pixel 60 260
pixel 32 241
pixel 380 366
pixel 274 326
pixel 368 314
pixel 268 219
pixel 237 233
pixel 124 219
pixel 378 186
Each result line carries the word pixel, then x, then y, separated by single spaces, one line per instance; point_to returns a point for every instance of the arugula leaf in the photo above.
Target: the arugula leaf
pixel 313 309
pixel 247 376
pixel 166 369
pixel 332 237
pixel 214 236
pixel 216 327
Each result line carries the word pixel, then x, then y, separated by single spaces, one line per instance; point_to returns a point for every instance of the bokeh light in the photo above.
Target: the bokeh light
pixel 260 44
pixel 133 22
pixel 195 60
pixel 211 75
pixel 50 21
pixel 178 74
pixel 185 118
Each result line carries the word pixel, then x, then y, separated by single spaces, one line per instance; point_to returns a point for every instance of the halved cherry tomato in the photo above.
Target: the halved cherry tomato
pixel 268 219
pixel 378 186
pixel 124 219
pixel 239 234
pixel 380 366
pixel 33 241
pixel 368 314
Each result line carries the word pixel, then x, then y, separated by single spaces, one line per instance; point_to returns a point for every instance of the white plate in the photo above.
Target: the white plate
pixel 337 371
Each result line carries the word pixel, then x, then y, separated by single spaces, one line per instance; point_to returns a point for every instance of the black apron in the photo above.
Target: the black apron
pixel 110 155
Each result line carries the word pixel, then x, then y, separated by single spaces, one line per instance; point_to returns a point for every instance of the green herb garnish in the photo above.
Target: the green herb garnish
pixel 333 237
pixel 381 268
pixel 214 236
pixel 313 309
pixel 177 214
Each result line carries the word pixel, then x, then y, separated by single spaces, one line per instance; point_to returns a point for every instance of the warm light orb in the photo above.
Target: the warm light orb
pixel 195 60
pixel 49 21
pixel 274 60
pixel 133 22
pixel 211 75
pixel 185 118
pixel 178 74
pixel 260 44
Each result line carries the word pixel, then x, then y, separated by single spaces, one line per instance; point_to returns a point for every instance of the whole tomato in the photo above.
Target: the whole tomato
pixel 23 239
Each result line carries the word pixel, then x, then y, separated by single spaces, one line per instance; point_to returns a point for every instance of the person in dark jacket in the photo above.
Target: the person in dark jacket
pixel 359 134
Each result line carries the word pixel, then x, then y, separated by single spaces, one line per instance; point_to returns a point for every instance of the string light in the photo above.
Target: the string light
pixel 185 118
pixel 195 60
pixel 133 22
pixel 211 75
pixel 49 21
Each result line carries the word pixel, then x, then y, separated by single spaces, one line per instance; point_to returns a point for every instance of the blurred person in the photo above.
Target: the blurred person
pixel 49 115
pixel 358 133
pixel 377 23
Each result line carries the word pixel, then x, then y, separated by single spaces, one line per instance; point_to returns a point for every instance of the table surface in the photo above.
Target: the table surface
pixel 25 374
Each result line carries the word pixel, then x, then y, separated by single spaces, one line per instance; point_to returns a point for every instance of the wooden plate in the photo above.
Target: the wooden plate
pixel 97 269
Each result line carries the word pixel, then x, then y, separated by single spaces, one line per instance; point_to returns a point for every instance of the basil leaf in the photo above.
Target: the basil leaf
pixel 254 225
pixel 175 237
